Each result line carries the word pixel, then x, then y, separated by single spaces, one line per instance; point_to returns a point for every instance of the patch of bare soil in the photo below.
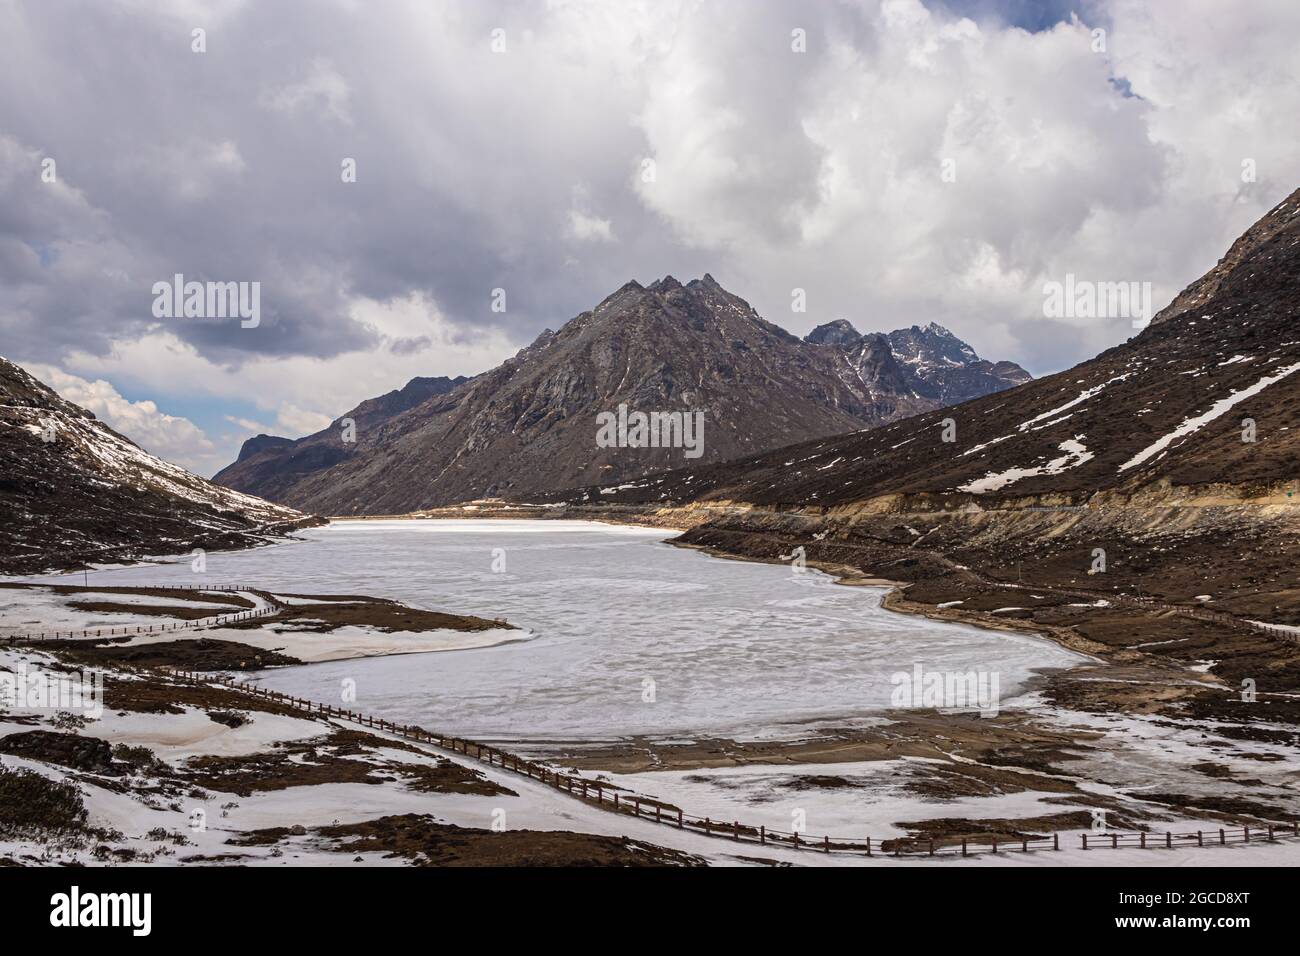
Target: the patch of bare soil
pixel 330 760
pixel 66 750
pixel 155 610
pixel 153 693
pixel 375 613
pixel 950 831
pixel 31 804
pixel 194 654
pixel 210 597
pixel 1231 809
pixel 950 781
pixel 423 840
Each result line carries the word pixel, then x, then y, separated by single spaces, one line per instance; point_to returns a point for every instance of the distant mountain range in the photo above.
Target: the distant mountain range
pixel 74 491
pixel 529 426
pixel 1205 394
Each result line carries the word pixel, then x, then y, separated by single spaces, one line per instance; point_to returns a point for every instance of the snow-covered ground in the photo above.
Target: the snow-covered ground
pixel 27 610
pixel 766 792
pixel 42 610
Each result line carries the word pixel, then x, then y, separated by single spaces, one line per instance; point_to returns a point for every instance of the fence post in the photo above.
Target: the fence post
pixel 679 819
pixel 762 835
pixel 963 847
pixel 1084 838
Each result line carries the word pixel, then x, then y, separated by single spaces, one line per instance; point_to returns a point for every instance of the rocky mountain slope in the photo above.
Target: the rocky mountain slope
pixel 931 363
pixel 72 490
pixel 529 426
pixel 1178 404
pixel 1177 454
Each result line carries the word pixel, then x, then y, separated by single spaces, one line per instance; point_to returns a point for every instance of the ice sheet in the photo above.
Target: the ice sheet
pixel 629 634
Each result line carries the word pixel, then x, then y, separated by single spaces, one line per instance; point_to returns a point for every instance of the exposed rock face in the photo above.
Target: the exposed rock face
pixel 89 494
pixel 930 363
pixel 1252 245
pixel 529 426
pixel 260 443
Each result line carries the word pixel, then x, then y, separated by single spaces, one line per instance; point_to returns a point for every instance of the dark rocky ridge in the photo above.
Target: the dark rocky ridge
pixel 929 362
pixel 528 427
pixel 91 495
pixel 370 412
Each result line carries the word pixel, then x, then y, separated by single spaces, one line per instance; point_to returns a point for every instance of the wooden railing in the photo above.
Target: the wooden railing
pixel 618 800
pixel 273 607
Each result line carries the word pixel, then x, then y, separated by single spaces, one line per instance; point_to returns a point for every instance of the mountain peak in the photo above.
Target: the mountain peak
pixel 706 281
pixel 836 332
pixel 666 284
pixel 260 443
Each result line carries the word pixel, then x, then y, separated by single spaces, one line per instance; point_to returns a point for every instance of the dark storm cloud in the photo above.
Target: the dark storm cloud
pixel 226 165
pixel 520 170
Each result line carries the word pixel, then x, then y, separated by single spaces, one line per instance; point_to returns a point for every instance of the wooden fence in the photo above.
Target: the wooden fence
pixel 197 624
pixel 617 800
pixel 1219 617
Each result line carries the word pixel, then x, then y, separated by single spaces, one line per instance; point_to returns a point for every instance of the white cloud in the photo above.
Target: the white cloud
pixel 587 228
pixel 247 424
pixel 167 436
pixel 323 87
pixel 294 422
pixel 303 393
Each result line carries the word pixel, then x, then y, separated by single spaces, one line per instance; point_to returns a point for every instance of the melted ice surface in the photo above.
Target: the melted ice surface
pixel 731 647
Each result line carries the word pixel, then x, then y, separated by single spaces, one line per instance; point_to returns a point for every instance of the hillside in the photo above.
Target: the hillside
pixel 87 494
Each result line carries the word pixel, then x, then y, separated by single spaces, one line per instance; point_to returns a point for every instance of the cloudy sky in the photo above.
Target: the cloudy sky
pixel 556 150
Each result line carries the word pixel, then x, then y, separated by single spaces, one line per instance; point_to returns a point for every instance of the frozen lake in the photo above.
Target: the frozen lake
pixel 629 635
